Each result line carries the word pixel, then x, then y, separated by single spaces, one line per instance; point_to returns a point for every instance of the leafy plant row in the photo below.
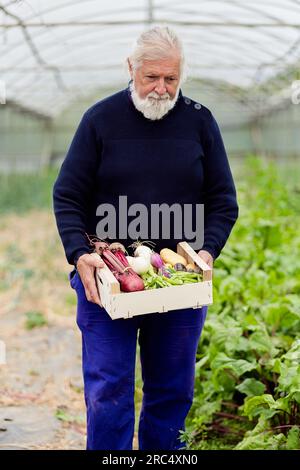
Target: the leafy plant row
pixel 247 389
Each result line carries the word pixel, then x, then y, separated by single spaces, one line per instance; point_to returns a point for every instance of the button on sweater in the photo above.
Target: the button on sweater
pixel 116 151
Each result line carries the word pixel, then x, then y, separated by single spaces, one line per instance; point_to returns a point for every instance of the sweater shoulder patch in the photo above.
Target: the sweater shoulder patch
pixel 192 103
pixel 196 107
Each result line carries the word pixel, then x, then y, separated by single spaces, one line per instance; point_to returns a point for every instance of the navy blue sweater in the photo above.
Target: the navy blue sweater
pixel 117 151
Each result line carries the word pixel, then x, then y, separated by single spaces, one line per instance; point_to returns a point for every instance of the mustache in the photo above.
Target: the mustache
pixel 157 97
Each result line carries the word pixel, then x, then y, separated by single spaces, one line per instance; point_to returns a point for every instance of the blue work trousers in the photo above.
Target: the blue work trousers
pixel 168 344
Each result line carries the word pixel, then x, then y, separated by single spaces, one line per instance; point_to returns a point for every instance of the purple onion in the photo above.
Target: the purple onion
pixel 156 261
pixel 164 272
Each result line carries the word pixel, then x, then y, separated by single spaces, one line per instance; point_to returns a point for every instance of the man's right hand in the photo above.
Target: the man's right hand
pixel 86 266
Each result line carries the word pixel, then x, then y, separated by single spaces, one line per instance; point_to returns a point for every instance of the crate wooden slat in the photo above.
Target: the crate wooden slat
pixel 185 250
pixel 126 305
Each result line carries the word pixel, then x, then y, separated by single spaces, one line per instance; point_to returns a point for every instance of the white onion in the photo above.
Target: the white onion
pixel 139 264
pixel 143 251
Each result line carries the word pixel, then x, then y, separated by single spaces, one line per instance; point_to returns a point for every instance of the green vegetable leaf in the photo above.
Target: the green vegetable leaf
pixel 251 387
pixel 238 366
pixel 293 438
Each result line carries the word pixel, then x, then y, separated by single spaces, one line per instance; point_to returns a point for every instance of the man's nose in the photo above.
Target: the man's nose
pixel 161 87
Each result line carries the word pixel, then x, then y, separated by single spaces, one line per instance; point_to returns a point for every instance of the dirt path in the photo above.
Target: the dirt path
pixel 41 390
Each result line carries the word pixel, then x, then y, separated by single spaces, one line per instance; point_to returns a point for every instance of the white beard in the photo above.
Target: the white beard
pixel 154 106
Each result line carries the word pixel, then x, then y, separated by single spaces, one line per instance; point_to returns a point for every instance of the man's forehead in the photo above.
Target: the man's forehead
pixel 167 66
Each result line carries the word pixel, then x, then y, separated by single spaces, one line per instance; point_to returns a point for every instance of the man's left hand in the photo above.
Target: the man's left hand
pixel 207 257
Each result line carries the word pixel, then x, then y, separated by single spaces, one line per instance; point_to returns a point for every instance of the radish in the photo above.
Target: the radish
pixel 116 246
pixel 128 279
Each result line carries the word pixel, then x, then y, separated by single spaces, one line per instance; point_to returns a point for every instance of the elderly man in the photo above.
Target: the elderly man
pixel 153 145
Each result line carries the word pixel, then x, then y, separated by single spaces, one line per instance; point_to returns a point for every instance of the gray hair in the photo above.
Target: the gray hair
pixel 158 43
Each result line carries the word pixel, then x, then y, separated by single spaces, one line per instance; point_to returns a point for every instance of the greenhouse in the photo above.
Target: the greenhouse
pixel 242 62
pixel 59 57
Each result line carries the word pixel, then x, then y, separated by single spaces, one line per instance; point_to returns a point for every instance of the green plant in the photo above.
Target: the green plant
pixel 35 320
pixel 247 388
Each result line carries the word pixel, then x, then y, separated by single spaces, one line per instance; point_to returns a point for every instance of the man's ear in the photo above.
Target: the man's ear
pixel 130 69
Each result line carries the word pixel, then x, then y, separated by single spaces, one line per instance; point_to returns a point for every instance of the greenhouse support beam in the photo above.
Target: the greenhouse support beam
pixel 31 112
pixel 230 24
pixel 34 50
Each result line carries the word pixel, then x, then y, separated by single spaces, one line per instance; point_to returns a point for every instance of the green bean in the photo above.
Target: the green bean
pixel 175 282
pixel 160 282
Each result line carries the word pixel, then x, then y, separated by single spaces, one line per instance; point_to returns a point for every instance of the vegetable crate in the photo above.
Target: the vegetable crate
pixel 120 304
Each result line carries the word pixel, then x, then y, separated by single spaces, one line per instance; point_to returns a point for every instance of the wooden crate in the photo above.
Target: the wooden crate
pixel 126 305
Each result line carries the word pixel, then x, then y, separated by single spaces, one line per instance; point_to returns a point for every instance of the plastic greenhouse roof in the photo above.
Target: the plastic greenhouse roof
pixel 242 54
